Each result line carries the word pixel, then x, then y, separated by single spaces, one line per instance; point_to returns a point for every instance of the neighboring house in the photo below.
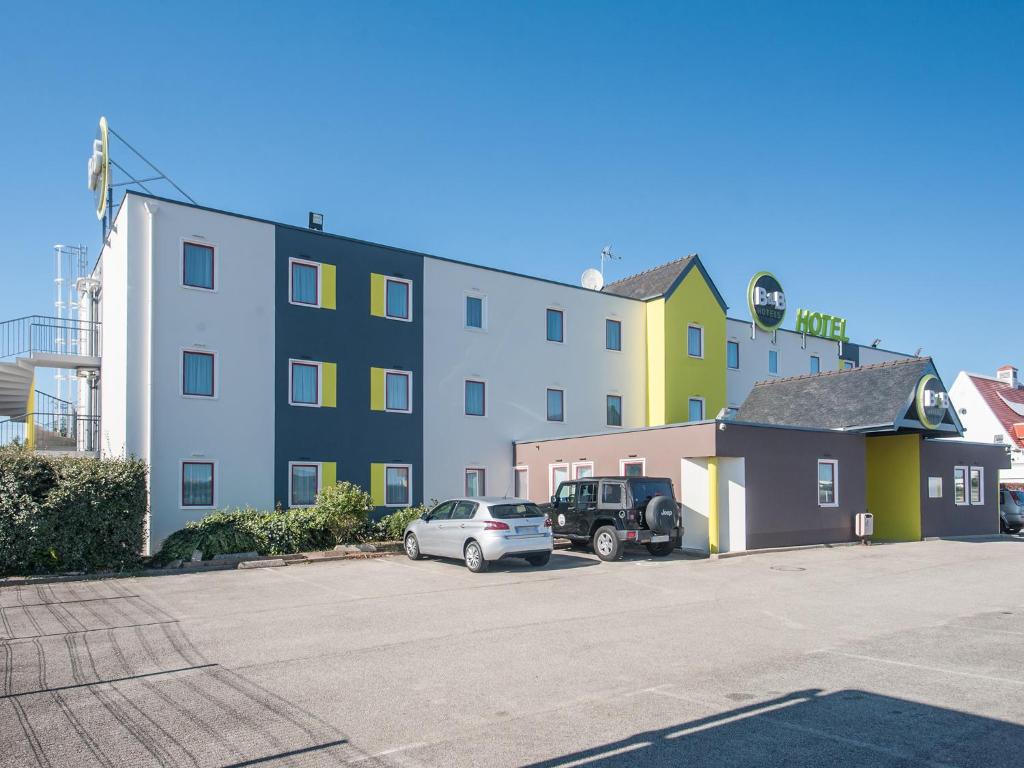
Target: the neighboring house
pixel 992 411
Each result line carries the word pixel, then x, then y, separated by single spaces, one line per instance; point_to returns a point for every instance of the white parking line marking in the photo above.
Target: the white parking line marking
pixel 944 670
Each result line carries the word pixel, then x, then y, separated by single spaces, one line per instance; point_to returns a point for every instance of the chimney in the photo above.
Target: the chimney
pixel 1008 375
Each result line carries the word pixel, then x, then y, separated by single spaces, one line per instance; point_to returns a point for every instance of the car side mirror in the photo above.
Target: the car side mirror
pixel 554 501
pixel 425 517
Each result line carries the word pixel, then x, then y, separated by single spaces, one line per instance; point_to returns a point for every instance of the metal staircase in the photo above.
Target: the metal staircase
pixel 37 341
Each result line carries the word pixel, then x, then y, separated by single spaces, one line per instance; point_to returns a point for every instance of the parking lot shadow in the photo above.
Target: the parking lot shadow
pixel 813 728
pixel 560 561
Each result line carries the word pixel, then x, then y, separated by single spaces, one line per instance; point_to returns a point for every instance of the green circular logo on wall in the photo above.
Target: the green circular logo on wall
pixel 767 301
pixel 932 401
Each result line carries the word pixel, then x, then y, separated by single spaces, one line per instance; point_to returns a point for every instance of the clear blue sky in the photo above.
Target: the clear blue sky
pixel 868 154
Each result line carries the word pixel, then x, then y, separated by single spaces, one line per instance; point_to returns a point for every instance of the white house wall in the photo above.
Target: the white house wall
pixel 982 426
pixel 518 365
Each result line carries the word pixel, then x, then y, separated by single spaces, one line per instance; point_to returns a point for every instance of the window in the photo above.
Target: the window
pixel 828 483
pixel 476 398
pixel 556 322
pixel 522 484
pixel 632 467
pixel 586 494
pixel 848 364
pixel 977 485
pixel 934 487
pixel 398 299
pixel 397 485
pixel 696 409
pixel 464 510
pixel 773 362
pixel 304 282
pixel 582 469
pixel 556 405
pixel 614 410
pixel 567 493
pixel 442 511
pixel 960 485
pixel 815 364
pixel 613 335
pixel 475 312
pixel 611 493
pixel 197 266
pixel 475 481
pixel 732 354
pixel 304 382
pixel 695 341
pixel 197 484
pixel 303 484
pixel 398 391
pixel 558 473
pixel 197 374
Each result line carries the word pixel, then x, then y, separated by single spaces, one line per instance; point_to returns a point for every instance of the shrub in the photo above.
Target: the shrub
pixel 68 513
pixel 345 508
pixel 394 524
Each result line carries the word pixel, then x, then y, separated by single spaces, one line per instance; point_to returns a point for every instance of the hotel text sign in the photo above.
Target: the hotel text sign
pixel 820 324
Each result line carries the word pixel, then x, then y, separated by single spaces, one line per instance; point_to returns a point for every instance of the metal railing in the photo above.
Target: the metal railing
pixel 49 335
pixel 52 432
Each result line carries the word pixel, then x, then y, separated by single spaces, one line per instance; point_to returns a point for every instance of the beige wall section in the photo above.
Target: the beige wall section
pixel 661 448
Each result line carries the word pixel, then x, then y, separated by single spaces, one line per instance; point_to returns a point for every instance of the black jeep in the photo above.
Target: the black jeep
pixel 610 512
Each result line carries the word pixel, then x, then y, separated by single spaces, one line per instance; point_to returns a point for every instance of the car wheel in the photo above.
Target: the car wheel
pixel 539 560
pixel 475 558
pixel 661 549
pixel 412 547
pixel 606 544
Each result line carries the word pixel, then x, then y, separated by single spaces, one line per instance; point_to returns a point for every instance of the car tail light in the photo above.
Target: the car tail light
pixel 630 535
pixel 547 522
pixel 496 525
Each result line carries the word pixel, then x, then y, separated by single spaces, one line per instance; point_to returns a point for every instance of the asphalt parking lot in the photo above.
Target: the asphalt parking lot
pixel 899 655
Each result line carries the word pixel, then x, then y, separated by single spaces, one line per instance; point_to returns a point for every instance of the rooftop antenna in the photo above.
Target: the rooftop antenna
pixel 101 180
pixel 606 253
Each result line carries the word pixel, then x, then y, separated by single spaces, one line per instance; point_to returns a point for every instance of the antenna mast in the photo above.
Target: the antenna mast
pixel 606 253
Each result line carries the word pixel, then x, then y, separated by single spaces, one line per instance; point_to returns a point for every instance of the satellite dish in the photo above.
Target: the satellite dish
pixel 99 168
pixel 592 279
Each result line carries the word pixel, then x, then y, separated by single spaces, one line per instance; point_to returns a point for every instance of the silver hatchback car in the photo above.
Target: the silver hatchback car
pixel 481 530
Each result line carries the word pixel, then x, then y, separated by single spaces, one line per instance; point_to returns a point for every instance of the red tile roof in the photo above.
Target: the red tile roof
pixel 998 395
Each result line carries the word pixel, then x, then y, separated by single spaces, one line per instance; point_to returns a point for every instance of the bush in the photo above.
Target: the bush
pixel 70 514
pixel 394 524
pixel 345 509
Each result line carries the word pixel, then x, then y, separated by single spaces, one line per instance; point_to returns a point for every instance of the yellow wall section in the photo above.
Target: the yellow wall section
pixel 377 490
pixel 693 301
pixel 328 474
pixel 893 486
pixel 655 362
pixel 376 389
pixel 329 381
pixel 377 295
pixel 328 286
pixel 713 526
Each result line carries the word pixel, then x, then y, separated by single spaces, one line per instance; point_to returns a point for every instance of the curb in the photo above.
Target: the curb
pixel 773 550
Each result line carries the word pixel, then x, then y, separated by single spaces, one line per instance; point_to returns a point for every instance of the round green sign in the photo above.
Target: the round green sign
pixel 932 401
pixel 766 300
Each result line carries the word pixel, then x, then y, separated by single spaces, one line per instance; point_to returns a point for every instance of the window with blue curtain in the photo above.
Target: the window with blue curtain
pixel 474 482
pixel 695 341
pixel 304 283
pixel 555 329
pixel 197 484
pixel 304 485
pixel 733 354
pixel 614 410
pixel 398 299
pixel 474 312
pixel 696 409
pixel 613 335
pixel 556 409
pixel 197 270
pixel 396 387
pixel 476 393
pixel 197 374
pixel 773 361
pixel 305 383
pixel 396 482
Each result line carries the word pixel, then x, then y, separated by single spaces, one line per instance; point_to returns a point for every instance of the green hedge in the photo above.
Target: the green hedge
pixel 70 514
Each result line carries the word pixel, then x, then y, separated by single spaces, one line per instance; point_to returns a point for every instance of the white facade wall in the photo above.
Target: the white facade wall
pixel 518 364
pixel 235 429
pixel 112 271
pixel 982 426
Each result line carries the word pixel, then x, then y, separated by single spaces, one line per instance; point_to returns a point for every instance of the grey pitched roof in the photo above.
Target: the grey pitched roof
pixel 654 282
pixel 872 396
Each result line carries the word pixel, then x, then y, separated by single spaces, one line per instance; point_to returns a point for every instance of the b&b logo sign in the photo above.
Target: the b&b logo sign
pixel 767 301
pixel 932 401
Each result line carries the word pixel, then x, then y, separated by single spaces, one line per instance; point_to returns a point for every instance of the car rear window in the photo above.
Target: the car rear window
pixel 1017 496
pixel 645 490
pixel 511 511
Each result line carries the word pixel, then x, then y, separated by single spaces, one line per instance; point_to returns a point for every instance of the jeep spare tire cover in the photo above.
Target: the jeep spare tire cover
pixel 661 514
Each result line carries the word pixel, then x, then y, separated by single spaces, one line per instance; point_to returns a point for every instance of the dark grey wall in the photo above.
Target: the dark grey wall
pixel 782 485
pixel 350 434
pixel 942 517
